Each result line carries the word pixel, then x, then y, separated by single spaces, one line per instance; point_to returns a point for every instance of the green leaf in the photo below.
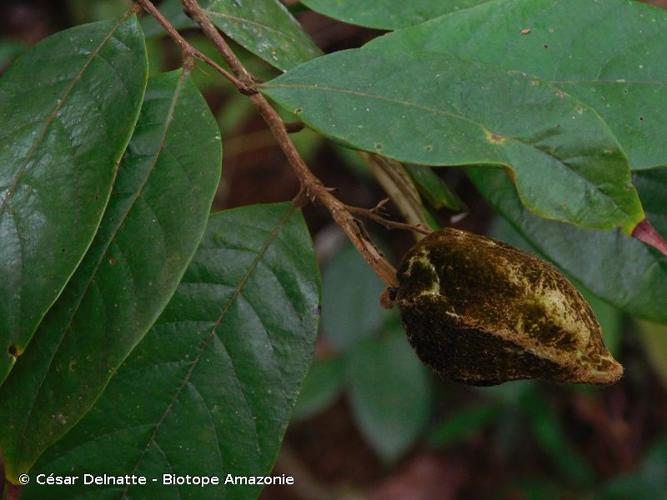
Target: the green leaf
pixel 210 389
pixel 173 11
pixel 390 393
pixel 387 14
pixel 652 186
pixel 433 109
pixel 68 108
pixel 609 54
pixel 264 27
pixel 463 424
pixel 618 269
pixel 351 300
pixel 156 216
pixel 322 386
pixel 434 189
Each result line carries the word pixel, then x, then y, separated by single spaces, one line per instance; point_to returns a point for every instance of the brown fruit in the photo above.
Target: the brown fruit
pixel 481 312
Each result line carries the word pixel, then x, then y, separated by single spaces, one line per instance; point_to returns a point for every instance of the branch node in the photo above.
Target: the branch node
pixel 247 90
pixel 302 198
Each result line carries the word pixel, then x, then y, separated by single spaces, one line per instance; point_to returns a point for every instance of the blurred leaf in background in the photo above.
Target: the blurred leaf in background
pixel 10 50
pixel 321 387
pixel 462 424
pixel 389 390
pixel 390 393
pixel 554 443
pixel 435 190
pixel 351 294
pixel 85 11
pixel 649 482
pixel 654 339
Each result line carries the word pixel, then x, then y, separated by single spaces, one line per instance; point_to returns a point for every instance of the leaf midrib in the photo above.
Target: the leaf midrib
pixel 446 113
pixel 59 105
pixel 203 344
pixel 110 240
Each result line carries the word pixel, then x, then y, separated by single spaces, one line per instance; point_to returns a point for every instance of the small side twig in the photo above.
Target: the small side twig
pixel 397 183
pixel 374 215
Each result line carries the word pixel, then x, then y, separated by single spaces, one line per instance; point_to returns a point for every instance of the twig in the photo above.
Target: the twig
pixel 372 214
pixel 397 183
pixel 312 186
pixel 188 50
pixel 13 491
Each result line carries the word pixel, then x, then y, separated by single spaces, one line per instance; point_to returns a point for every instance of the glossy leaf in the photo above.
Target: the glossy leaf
pixel 156 216
pixel 264 27
pixel 211 388
pixel 350 300
pixel 387 14
pixel 68 108
pixel 623 271
pixel 432 109
pixel 390 393
pixel 609 54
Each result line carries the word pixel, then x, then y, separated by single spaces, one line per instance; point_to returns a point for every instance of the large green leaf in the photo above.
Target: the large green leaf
pixel 609 54
pixel 211 388
pixel 264 27
pixel 433 109
pixel 68 107
pixel 617 268
pixel 387 14
pixel 390 393
pixel 154 221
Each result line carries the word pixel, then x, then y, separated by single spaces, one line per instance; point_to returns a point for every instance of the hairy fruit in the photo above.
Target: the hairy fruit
pixel 481 312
